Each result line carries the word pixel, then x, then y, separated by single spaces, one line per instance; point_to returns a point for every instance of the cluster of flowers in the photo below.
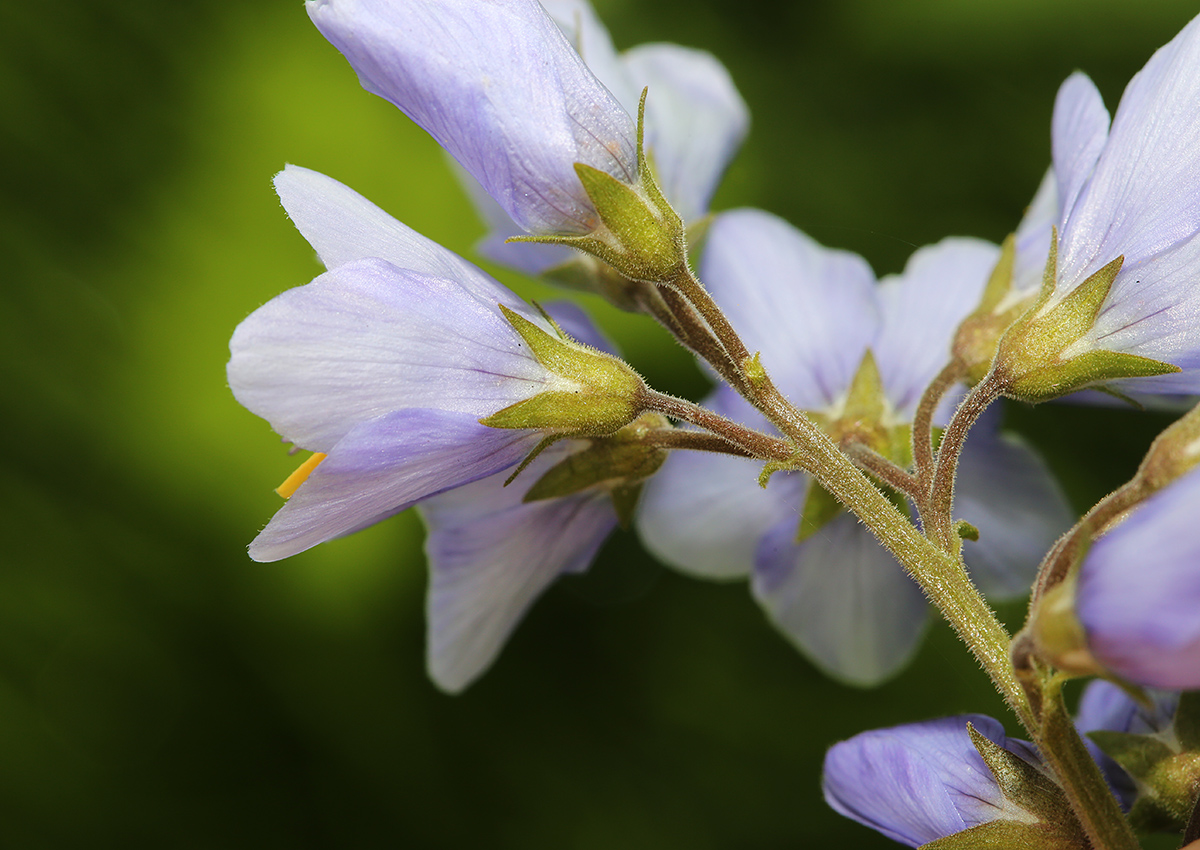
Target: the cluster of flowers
pixel 418 380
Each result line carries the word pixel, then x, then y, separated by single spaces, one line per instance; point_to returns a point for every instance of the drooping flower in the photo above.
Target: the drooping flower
pixel 1122 301
pixel 385 366
pixel 500 88
pixel 1138 591
pixel 920 782
pixel 695 121
pixel 827 332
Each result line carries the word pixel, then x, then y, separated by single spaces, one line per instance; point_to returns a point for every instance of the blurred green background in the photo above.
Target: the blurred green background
pixel 159 689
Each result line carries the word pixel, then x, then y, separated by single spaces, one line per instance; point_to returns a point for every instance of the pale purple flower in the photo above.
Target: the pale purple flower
pixel 1133 190
pixel 920 782
pixel 695 118
pixel 1138 591
pixel 813 313
pixel 1033 237
pixel 1105 707
pixel 695 121
pixel 386 363
pixel 491 555
pixel 500 88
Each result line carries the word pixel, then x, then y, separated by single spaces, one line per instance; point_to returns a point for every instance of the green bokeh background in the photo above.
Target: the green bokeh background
pixel 159 689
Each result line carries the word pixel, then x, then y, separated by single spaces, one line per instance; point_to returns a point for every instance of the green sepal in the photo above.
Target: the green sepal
pixel 863 416
pixel 1058 636
pixel 619 464
pixel 820 508
pixel 979 334
pixel 633 223
pixel 585 273
pixel 1082 371
pixel 1034 360
pixel 1168 781
pixel 603 462
pixel 865 399
pixel 1138 755
pixel 1187 721
pixel 1046 333
pixel 638 233
pixel 966 531
pixel 624 502
pixel 569 413
pixel 605 396
pixel 645 172
pixel 1022 783
pixel 1009 835
pixel 1000 280
pixel 542 445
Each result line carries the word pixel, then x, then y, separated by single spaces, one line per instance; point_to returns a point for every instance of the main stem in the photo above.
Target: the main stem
pixel 939 571
pixel 934 562
pixel 940 574
pixel 1088 793
pixel 939 506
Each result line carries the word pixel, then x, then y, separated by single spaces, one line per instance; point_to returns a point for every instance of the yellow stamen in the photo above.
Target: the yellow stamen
pixel 293 482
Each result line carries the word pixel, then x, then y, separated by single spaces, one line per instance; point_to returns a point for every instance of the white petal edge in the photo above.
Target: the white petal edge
pixel 1079 130
pixel 342 226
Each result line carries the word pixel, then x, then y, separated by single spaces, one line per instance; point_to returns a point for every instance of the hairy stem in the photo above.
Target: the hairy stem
pixel 699 337
pixel 869 460
pixel 1087 792
pixel 940 574
pixel 753 443
pixel 922 427
pixel 937 569
pixel 1066 552
pixel 938 511
pixel 699 441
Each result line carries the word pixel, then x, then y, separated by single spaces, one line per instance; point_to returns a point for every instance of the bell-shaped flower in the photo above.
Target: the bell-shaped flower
pixel 498 85
pixel 694 123
pixel 831 337
pixel 1138 591
pixel 1120 300
pixel 921 782
pixel 386 364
